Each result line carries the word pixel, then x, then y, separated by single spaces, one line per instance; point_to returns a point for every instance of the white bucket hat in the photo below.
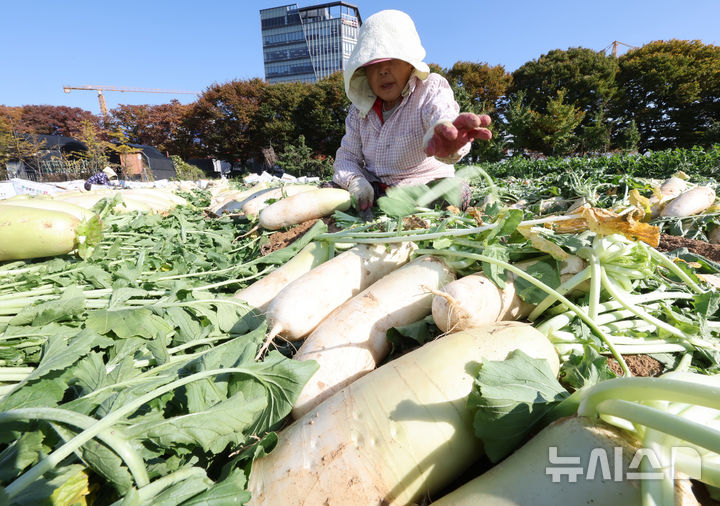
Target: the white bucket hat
pixel 385 35
pixel 109 172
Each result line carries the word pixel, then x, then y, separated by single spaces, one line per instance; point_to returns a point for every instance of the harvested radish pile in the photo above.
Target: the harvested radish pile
pixel 223 346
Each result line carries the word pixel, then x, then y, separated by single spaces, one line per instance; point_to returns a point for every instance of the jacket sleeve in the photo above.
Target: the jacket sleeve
pixel 441 106
pixel 349 158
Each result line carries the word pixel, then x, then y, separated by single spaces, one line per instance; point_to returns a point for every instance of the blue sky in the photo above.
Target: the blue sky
pixel 189 45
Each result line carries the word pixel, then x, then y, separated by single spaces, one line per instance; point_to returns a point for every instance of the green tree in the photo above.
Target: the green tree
pixel 555 129
pixel 321 114
pixel 672 91
pixel 274 123
pixel 298 159
pixel 186 171
pixel 628 137
pixel 595 137
pixel 98 147
pixel 519 122
pixel 483 84
pixel 585 77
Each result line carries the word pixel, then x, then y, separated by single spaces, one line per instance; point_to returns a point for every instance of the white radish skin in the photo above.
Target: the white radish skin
pixel 28 232
pixel 263 291
pixel 397 434
pixel 253 206
pixel 232 200
pixel 690 203
pixel 302 304
pixel 475 300
pixel 672 187
pixel 352 339
pixel 55 205
pixel 304 206
pixel 522 478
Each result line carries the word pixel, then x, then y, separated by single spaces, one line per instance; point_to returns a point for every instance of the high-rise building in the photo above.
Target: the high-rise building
pixel 309 43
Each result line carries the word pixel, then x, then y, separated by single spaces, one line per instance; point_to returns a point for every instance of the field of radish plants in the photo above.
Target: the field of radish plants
pixel 558 342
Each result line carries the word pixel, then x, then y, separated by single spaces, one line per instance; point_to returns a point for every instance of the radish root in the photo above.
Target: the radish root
pixel 268 341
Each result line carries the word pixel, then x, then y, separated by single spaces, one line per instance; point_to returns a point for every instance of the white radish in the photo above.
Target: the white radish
pixel 396 435
pixel 55 205
pixel 304 206
pixel 232 200
pixel 302 304
pixel 351 341
pixel 253 205
pixel 263 291
pixel 526 476
pixel 29 232
pixel 475 300
pixel 690 203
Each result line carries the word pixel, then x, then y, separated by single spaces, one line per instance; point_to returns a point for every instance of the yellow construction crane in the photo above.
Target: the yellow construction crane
pixel 614 44
pixel 101 97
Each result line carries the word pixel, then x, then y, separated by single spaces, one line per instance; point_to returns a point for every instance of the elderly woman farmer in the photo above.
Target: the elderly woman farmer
pixel 404 125
pixel 100 178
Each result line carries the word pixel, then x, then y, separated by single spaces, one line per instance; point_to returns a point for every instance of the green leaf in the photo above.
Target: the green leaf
pixel 545 272
pixel 126 323
pixel 213 429
pixel 59 354
pixel 509 397
pixel 401 201
pixel 70 303
pixel 63 485
pixel 277 379
pixel 410 336
pixel 494 272
pixel 101 459
pixel 181 491
pixel 586 369
pixel 231 490
pixel 20 454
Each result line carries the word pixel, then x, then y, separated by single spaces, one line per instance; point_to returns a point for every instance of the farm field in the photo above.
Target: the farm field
pixel 232 344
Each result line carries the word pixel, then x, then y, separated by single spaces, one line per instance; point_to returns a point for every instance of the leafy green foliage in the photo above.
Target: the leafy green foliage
pixel 186 171
pixel 671 90
pixel 508 398
pixel 298 159
pixel 143 340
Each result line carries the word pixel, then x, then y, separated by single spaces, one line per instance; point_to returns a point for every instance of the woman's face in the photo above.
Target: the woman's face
pixel 387 80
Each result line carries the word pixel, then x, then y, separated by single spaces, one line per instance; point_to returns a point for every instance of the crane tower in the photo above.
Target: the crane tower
pixel 101 97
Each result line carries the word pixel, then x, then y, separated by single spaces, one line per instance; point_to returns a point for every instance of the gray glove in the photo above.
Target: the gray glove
pixel 363 193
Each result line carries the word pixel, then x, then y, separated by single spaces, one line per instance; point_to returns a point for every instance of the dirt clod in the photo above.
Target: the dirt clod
pixel 284 238
pixel 639 365
pixel 673 242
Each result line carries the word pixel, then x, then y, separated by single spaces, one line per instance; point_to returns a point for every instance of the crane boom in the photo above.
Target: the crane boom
pixel 614 45
pixel 101 97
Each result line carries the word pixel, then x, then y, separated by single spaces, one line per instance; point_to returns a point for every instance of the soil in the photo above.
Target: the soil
pixel 673 242
pixel 639 365
pixel 284 238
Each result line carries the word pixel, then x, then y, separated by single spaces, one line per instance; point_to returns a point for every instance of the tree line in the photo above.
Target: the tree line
pixel 665 94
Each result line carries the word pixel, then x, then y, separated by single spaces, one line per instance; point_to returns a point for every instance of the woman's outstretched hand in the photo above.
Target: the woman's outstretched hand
pixel 447 138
